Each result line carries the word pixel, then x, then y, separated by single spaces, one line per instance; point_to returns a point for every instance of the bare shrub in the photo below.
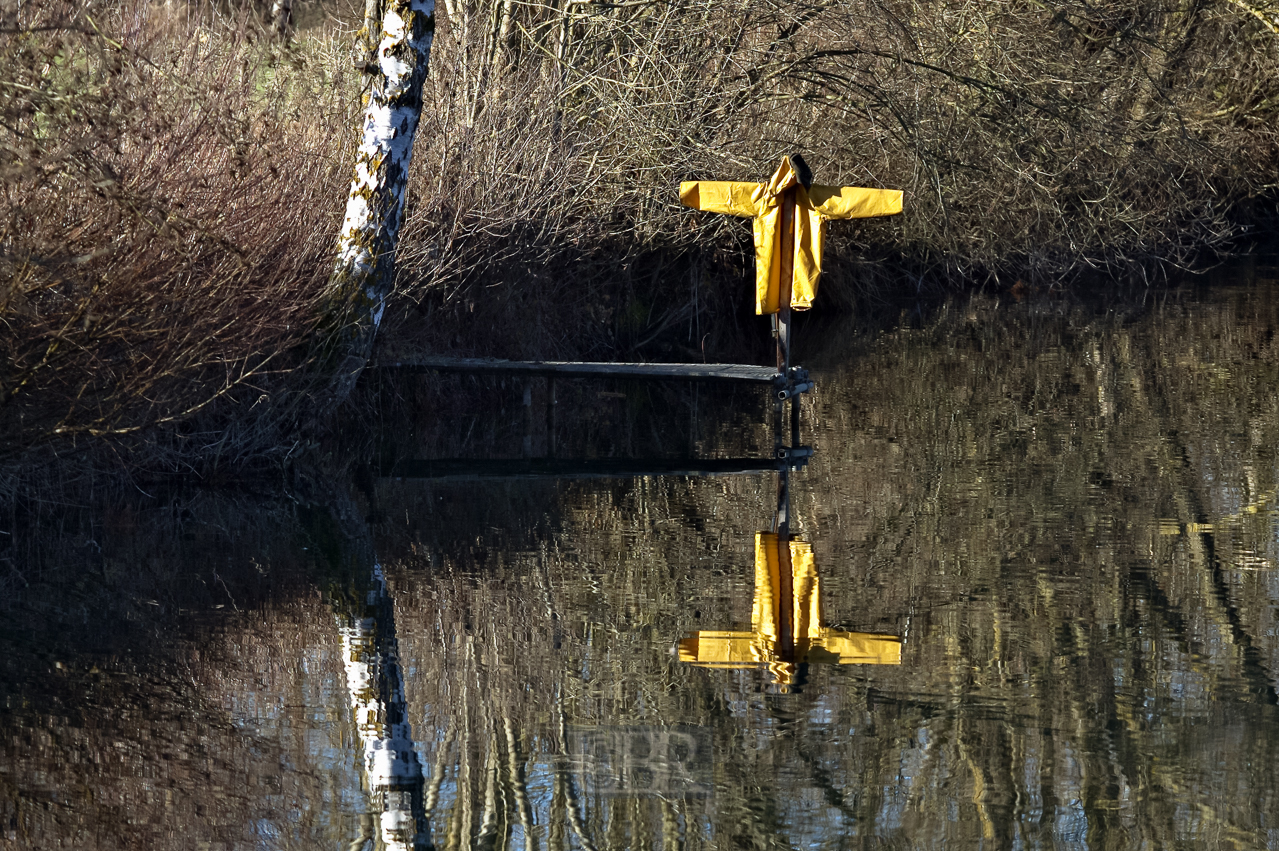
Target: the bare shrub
pixel 1031 140
pixel 170 190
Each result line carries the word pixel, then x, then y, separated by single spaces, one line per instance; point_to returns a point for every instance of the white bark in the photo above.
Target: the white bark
pixel 365 266
pixel 282 18
pixel 370 653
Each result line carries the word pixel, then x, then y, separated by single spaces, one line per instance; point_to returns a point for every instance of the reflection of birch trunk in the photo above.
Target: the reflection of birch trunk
pixel 1201 546
pixel 370 652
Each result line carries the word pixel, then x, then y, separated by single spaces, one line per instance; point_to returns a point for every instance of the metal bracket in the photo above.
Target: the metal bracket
pixel 792 382
pixel 794 457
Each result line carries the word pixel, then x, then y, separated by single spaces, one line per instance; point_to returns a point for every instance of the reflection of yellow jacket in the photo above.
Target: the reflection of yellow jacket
pixel 816 205
pixel 810 641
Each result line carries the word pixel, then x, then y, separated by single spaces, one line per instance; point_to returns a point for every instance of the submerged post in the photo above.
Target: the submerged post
pixel 551 402
pixel 785 573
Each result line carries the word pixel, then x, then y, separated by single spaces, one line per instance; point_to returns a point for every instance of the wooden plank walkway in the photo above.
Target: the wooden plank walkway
pixel 593 369
pixel 583 468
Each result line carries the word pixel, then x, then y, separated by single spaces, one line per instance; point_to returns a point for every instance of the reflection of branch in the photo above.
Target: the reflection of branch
pixel 979 781
pixel 1254 666
pixel 571 804
pixel 563 779
pixel 821 778
pixel 432 795
pixel 1203 547
pixel 672 829
pixel 519 787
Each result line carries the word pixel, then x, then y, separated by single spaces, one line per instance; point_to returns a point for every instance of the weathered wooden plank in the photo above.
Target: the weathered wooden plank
pixel 582 468
pixel 592 369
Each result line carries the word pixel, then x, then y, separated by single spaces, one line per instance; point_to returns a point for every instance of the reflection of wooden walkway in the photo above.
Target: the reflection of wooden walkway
pixel 786 385
pixel 587 468
pixel 595 369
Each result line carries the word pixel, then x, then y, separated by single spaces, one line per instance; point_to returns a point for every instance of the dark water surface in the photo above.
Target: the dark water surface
pixel 1035 600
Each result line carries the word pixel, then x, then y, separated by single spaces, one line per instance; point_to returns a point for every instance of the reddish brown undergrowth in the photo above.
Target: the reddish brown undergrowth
pixel 168 211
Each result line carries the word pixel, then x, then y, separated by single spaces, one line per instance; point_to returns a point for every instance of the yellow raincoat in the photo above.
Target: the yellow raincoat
pixel 815 206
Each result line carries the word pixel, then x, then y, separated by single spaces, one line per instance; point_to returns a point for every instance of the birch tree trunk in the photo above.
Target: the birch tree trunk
pixel 365 267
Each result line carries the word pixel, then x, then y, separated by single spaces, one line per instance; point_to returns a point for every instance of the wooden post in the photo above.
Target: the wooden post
pixel 786 601
pixel 779 443
pixel 528 418
pixel 794 419
pixel 551 402
pixel 786 280
pixel 781 520
pixel 786 285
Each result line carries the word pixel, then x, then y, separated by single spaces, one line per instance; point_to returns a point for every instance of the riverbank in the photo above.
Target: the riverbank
pixel 174 185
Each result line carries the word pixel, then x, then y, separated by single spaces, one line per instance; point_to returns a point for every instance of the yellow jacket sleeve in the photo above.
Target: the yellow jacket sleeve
pixel 852 202
pixel 856 648
pixel 734 197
